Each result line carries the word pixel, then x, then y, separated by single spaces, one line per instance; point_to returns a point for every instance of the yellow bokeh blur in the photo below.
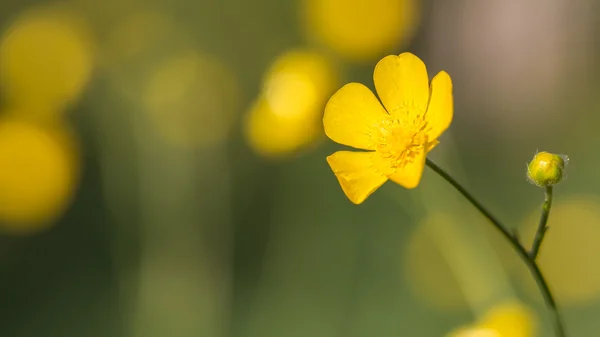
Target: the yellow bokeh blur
pixel 271 134
pixel 298 82
pixel 136 45
pixel 191 99
pixel 475 332
pixel 287 115
pixel 449 265
pixel 136 35
pixel 510 319
pixel 361 29
pixel 46 59
pixel 569 250
pixel 104 13
pixel 427 269
pixel 38 174
pixel 506 319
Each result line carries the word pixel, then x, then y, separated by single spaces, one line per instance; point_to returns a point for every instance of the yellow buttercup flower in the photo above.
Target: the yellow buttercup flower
pixel 398 137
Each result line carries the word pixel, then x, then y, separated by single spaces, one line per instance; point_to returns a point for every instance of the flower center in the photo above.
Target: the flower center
pixel 401 142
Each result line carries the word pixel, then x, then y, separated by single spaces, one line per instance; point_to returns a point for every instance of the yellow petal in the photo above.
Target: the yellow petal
pixel 441 106
pixel 354 117
pixel 357 173
pixel 402 84
pixel 409 176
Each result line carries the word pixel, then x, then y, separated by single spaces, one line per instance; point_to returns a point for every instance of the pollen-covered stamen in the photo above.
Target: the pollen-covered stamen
pixel 402 141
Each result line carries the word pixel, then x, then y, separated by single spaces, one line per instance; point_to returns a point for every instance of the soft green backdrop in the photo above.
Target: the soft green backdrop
pixel 168 240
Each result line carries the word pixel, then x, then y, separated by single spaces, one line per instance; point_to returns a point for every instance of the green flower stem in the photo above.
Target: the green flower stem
pixel 542 228
pixel 512 239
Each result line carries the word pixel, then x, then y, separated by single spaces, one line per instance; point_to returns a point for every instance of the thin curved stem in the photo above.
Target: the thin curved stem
pixel 513 240
pixel 542 228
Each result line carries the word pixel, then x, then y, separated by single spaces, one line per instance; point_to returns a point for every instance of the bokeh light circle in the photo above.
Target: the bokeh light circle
pixel 509 318
pixel 361 29
pixel 191 99
pixel 287 116
pixel 427 270
pixel 46 58
pixel 38 173
pixel 568 254
pixel 138 44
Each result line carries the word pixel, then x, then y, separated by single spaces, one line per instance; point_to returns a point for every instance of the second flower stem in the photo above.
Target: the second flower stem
pixel 512 239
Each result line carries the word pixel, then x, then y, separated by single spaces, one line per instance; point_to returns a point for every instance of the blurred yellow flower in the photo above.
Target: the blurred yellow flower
pixel 191 99
pixel 38 172
pixel 466 272
pixel 45 59
pixel 475 332
pixel 439 286
pixel 568 254
pixel 361 29
pixel 102 14
pixel 509 319
pixel 134 36
pixel 286 116
pixel 273 135
pixel 136 43
pixel 398 136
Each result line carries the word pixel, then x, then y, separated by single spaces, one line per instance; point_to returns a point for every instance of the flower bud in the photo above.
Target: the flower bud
pixel 546 169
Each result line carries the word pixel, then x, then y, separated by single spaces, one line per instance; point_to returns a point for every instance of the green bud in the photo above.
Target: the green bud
pixel 546 169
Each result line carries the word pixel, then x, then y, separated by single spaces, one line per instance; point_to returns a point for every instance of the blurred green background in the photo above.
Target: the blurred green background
pixel 163 173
